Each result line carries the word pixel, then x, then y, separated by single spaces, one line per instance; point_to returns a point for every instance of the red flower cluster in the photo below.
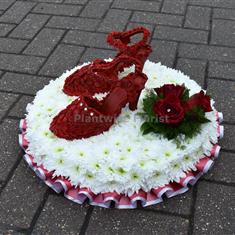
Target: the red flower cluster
pixel 171 107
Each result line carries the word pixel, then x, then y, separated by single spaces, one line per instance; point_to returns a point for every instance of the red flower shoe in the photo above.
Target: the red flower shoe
pixel 98 76
pixel 86 116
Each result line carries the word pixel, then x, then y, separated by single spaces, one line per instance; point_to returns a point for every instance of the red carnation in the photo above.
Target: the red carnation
pixel 167 89
pixel 169 110
pixel 201 100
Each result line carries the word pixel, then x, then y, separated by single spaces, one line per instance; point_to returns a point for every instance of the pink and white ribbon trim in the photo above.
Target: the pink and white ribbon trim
pixel 79 195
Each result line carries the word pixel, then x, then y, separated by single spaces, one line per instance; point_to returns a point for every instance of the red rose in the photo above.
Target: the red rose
pixel 169 110
pixel 201 100
pixel 170 89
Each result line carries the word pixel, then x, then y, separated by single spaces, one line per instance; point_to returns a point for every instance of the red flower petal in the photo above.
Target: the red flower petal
pixel 201 100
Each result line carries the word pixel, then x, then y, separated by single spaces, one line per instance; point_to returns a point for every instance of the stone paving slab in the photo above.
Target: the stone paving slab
pixel 20 63
pixel 86 39
pixel 214 209
pixel 39 39
pixel 180 34
pixel 97 53
pixel 174 7
pixel 4 4
pixel 164 52
pixel 52 9
pixel 223 70
pixel 5 29
pixel 227 28
pixel 60 216
pixel 12 45
pixel 115 19
pixel 132 25
pixel 138 5
pixel 30 26
pixel 44 42
pixel 21 198
pixel 72 23
pixel 207 52
pixel 10 149
pixel 157 18
pixel 224 14
pixel 180 205
pixel 63 58
pixel 228 142
pixel 198 17
pixel 214 3
pixel 134 222
pixel 220 170
pixel 6 100
pixel 17 12
pixel 218 89
pixel 80 2
pixel 195 69
pixel 19 109
pixel 23 83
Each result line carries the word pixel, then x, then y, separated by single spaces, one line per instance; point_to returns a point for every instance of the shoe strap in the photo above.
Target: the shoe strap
pixel 120 40
pixel 117 65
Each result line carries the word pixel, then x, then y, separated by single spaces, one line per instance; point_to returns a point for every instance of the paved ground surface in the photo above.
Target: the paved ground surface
pixel 40 39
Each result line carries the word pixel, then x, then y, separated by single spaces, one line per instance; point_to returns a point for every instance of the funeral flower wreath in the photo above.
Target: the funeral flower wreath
pixel 121 130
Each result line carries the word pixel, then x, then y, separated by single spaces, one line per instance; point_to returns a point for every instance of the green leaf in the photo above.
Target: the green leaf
pixel 147 131
pixel 197 114
pixel 146 128
pixel 185 95
pixel 203 119
pixel 148 103
pixel 161 96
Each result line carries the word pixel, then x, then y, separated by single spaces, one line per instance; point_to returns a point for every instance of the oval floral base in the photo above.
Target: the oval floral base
pixel 83 168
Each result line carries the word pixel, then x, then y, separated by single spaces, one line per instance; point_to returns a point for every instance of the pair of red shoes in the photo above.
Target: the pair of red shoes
pixel 87 116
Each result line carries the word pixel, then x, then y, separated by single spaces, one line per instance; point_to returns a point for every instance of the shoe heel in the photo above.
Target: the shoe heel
pixel 134 84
